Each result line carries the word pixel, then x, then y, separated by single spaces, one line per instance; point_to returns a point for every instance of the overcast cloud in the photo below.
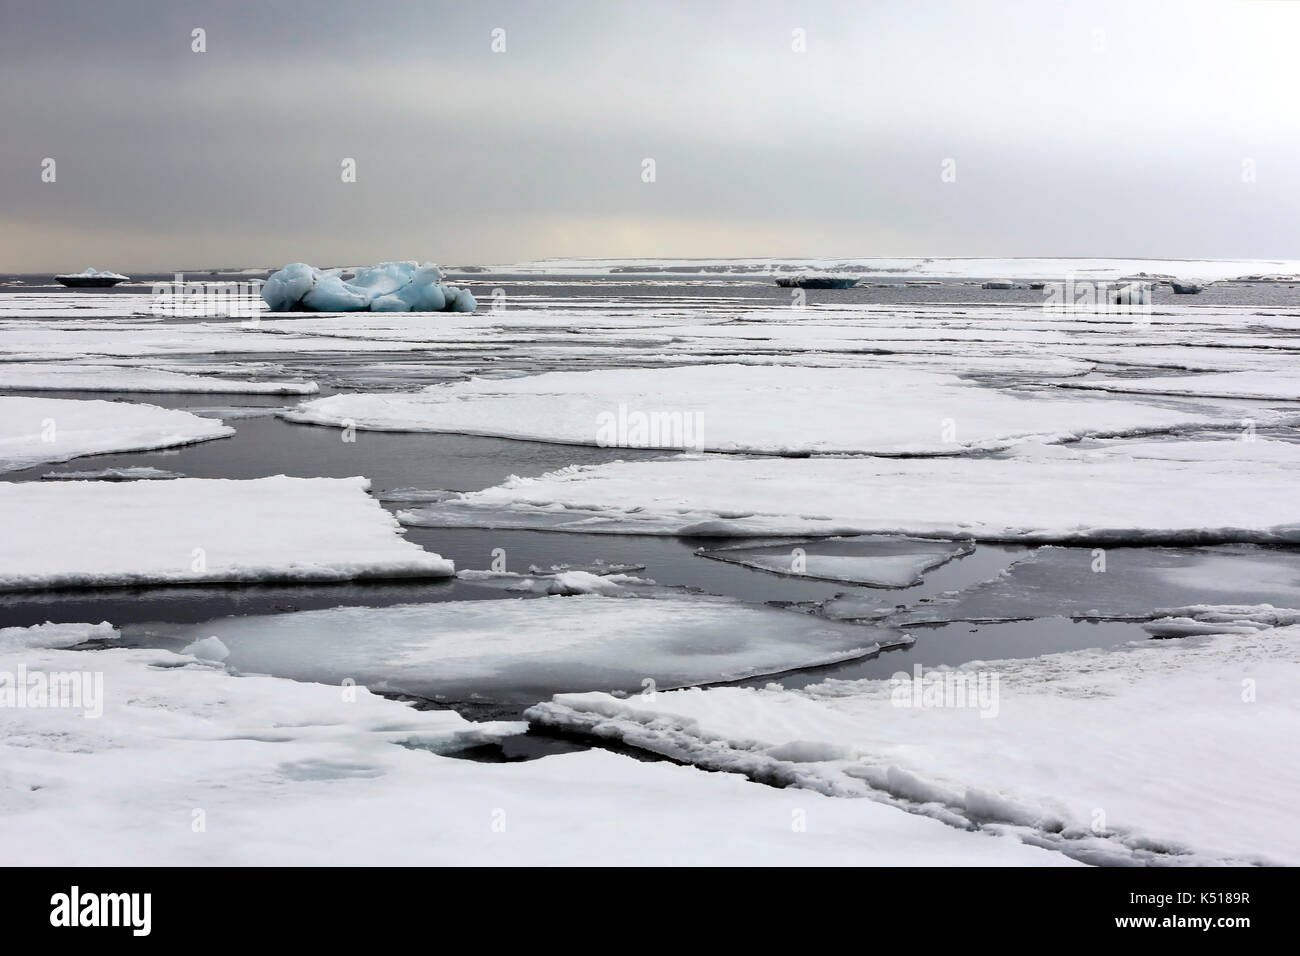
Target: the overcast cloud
pixel 1102 128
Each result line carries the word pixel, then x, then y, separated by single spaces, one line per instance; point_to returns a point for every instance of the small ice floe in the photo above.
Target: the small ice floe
pixel 208 649
pixel 140 473
pixel 1188 286
pixel 817 280
pixel 1002 284
pixel 36 431
pixel 525 650
pixel 197 530
pixel 387 287
pixel 91 279
pixel 870 560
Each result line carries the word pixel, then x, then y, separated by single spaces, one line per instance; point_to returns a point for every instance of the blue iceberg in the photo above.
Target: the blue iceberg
pixel 387 287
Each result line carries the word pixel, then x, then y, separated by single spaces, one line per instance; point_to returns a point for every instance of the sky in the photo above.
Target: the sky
pixel 814 129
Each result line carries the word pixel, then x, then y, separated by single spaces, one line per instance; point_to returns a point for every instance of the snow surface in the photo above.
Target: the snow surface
pixel 742 408
pixel 387 287
pixel 526 649
pixel 1160 751
pixel 191 530
pixel 48 376
pixel 190 765
pixel 36 431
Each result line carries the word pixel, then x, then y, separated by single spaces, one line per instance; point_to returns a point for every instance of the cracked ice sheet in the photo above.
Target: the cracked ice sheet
pixel 740 408
pixel 1134 583
pixel 99 534
pixel 36 431
pixel 525 650
pixel 1266 384
pixel 1114 499
pixel 48 376
pixel 1151 743
pixel 275 764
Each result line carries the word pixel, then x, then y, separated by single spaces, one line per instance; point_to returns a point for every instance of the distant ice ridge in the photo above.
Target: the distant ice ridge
pixel 387 287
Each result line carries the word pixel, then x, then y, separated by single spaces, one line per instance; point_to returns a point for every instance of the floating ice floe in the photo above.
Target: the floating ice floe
pixel 1220 619
pixel 90 278
pixel 36 431
pixel 141 473
pixel 387 287
pixel 270 766
pixel 1157 752
pixel 1049 500
pixel 527 649
pixel 742 408
pixel 880 562
pixel 49 376
pixel 196 530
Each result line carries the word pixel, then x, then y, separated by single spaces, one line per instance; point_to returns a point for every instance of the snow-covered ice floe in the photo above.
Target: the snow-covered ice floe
pixel 743 408
pixel 608 636
pixel 1114 499
pixel 274 765
pixel 36 431
pixel 192 530
pixel 90 277
pixel 387 287
pixel 49 376
pixel 1176 752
